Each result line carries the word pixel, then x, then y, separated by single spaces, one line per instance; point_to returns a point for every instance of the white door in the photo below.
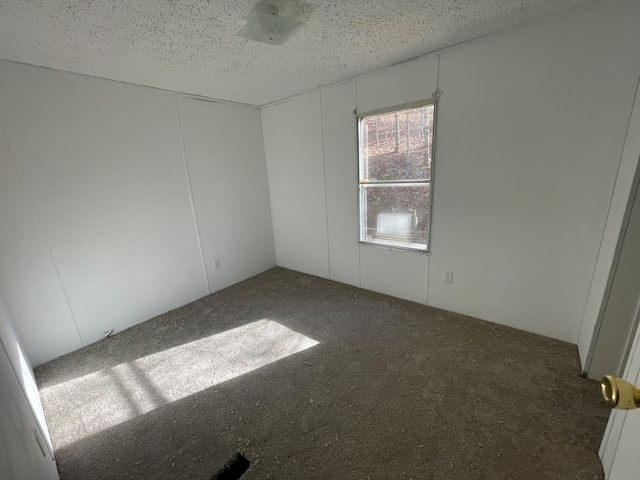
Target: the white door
pixel 23 449
pixel 620 449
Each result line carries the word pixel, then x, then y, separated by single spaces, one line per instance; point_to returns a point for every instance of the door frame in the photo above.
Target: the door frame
pixel 624 192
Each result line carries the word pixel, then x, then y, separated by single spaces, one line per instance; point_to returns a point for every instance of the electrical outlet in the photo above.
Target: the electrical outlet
pixel 216 263
pixel 448 277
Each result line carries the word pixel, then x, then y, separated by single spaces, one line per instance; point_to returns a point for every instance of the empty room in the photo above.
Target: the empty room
pixel 319 240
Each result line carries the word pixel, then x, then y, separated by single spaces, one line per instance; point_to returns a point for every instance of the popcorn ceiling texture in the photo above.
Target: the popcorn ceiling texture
pixel 192 46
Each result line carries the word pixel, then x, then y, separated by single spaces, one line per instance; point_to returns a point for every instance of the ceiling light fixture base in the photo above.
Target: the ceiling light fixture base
pixel 264 25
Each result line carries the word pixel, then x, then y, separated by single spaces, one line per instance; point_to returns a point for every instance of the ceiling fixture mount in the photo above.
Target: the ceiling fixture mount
pixel 264 25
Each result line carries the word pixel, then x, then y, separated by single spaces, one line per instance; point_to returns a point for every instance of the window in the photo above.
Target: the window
pixel 396 160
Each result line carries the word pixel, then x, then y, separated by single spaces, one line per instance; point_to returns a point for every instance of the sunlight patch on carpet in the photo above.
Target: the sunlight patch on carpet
pixel 112 396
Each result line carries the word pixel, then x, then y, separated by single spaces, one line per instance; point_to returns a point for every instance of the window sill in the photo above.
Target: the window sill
pixel 398 248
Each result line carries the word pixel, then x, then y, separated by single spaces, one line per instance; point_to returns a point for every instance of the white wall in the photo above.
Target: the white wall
pixel 394 272
pixel 311 148
pixel 341 175
pixel 102 184
pixel 530 130
pixel 293 150
pixel 25 446
pixel 100 204
pixel 223 145
pixel 526 160
pixel 28 277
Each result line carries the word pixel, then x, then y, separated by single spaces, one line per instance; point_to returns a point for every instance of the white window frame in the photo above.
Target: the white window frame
pixel 362 209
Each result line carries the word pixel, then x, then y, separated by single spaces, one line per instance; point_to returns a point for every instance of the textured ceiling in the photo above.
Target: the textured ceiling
pixel 191 46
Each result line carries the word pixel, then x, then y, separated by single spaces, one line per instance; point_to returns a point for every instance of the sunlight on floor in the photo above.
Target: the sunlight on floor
pixel 112 396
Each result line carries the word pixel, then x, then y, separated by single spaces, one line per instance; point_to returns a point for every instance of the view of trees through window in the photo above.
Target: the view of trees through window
pixel 395 176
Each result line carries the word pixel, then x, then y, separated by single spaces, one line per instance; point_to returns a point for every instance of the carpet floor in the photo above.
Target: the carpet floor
pixel 312 379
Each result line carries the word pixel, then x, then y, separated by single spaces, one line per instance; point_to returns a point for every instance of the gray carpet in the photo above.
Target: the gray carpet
pixel 311 379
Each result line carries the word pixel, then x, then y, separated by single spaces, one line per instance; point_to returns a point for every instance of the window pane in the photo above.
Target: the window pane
pixel 397 145
pixel 395 215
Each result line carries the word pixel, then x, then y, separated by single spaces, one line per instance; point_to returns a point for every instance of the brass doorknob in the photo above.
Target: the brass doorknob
pixel 619 393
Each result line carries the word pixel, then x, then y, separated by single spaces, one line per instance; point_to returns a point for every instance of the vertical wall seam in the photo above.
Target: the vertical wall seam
pixel 194 212
pixel 33 206
pixel 427 265
pixel 357 199
pixel 324 174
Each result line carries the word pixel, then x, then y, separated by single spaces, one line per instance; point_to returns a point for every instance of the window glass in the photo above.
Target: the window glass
pixel 396 215
pixel 396 145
